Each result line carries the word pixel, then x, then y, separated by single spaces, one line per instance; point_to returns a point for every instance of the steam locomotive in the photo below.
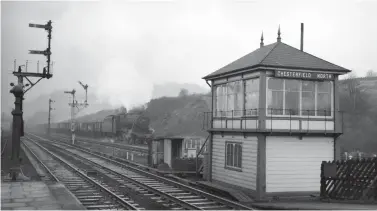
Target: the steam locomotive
pixel 132 128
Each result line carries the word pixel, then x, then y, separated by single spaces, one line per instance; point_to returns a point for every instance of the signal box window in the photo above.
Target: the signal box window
pixel 295 97
pixel 233 155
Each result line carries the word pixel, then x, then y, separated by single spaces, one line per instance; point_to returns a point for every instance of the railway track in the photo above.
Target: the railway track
pixel 88 190
pixel 172 194
pixel 133 154
pixel 139 149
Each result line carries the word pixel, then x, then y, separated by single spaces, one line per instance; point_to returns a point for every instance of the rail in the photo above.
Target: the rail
pixel 87 178
pixel 276 120
pixel 185 204
pixel 121 146
pixel 40 162
pixel 161 179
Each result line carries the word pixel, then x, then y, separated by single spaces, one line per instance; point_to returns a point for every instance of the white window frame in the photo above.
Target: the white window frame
pixel 300 113
pixel 226 112
pixel 218 112
pixel 234 156
pixel 244 97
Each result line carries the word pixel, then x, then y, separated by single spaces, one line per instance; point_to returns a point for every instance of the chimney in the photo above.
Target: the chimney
pixel 302 37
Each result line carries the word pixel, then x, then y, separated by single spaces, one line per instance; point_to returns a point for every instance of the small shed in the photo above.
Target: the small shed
pixel 165 149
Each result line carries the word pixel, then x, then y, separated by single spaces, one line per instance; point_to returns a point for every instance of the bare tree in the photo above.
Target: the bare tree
pixel 352 87
pixel 371 73
pixel 138 109
pixel 183 93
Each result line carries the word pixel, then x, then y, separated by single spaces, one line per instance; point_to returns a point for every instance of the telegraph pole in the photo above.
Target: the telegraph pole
pixel 77 105
pixel 18 91
pixel 49 115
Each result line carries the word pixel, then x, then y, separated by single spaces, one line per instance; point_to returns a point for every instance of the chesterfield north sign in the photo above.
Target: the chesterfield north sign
pixel 303 75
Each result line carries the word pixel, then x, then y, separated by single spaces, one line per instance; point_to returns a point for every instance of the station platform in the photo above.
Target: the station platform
pixel 32 195
pixel 313 205
pixel 241 196
pixel 286 203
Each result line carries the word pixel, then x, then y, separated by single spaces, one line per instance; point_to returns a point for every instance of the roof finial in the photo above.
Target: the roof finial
pixel 279 38
pixel 261 40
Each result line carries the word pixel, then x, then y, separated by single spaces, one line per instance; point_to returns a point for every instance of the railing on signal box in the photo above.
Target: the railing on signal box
pixel 273 115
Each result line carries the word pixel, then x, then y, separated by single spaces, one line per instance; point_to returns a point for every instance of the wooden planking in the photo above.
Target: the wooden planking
pixel 282 124
pixel 219 81
pixel 295 125
pixel 250 124
pixel 318 125
pixel 235 124
pixel 245 178
pixel 293 165
pixel 234 78
pixel 251 75
pixel 218 123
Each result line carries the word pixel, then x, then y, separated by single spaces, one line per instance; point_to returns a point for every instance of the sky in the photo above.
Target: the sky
pixel 121 48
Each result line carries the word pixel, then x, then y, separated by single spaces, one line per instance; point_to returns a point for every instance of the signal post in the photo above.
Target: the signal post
pixel 77 105
pixel 49 115
pixel 19 91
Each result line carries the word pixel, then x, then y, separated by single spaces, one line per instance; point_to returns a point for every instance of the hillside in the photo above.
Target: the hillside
pixel 358 101
pixel 98 116
pixel 170 116
pixel 36 110
pixel 174 116
pixel 172 89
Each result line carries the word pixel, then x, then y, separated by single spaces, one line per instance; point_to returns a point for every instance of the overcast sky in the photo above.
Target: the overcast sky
pixel 123 47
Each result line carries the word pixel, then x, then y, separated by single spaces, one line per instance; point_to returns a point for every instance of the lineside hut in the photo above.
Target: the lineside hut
pixel 275 117
pixel 165 149
pixel 173 152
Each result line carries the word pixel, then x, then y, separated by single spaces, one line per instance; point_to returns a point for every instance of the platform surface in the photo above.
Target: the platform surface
pixel 239 195
pixel 37 195
pixel 288 204
pixel 314 205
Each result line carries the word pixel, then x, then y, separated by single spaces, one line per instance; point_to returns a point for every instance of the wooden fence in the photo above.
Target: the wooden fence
pixel 349 180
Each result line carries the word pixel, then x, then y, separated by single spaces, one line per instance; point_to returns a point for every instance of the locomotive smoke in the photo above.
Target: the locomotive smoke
pixel 123 85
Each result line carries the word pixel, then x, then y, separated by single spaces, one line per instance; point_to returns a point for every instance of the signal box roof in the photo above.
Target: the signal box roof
pixel 278 55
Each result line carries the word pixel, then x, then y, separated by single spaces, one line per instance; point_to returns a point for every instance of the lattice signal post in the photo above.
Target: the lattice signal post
pixel 19 91
pixel 49 115
pixel 74 104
